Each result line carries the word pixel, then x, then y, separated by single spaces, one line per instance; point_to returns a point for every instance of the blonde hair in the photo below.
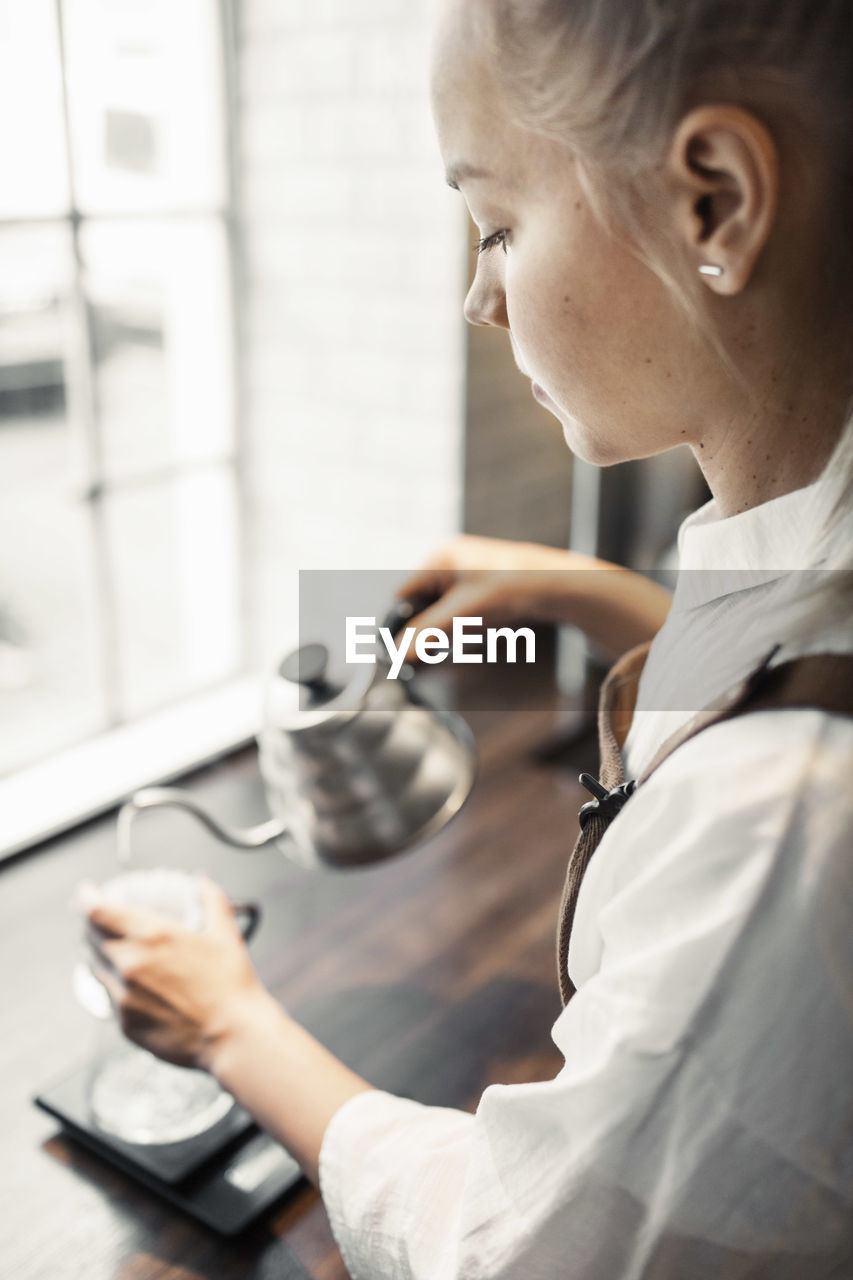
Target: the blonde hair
pixel 636 68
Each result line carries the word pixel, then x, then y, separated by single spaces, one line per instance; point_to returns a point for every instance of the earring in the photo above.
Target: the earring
pixel 709 269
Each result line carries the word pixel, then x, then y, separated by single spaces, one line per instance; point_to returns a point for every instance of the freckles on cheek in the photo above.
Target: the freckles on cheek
pixel 542 315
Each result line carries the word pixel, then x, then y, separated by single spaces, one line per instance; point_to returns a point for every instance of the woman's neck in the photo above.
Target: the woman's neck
pixel 782 440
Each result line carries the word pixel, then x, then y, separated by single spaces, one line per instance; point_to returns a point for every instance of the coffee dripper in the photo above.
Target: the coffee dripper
pixel 133 1095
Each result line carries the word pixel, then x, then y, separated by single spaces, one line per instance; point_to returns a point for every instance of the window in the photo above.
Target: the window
pixel 120 575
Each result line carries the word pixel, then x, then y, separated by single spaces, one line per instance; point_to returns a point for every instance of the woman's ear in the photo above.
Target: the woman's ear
pixel 726 170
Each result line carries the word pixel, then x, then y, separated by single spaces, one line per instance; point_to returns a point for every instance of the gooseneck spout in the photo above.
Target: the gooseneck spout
pixel 257 837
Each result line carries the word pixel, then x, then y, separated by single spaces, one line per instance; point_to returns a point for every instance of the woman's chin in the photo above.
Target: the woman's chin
pixel 594 444
pixel 584 444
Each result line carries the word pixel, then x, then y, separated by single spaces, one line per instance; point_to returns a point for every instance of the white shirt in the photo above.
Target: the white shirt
pixel 702 1125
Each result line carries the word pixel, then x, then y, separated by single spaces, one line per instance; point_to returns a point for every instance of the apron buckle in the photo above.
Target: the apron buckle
pixel 606 804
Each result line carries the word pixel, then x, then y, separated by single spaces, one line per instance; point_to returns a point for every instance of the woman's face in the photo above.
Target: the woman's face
pixel 592 327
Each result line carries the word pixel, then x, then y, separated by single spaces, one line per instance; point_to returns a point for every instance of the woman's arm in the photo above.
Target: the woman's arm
pixel 503 581
pixel 286 1079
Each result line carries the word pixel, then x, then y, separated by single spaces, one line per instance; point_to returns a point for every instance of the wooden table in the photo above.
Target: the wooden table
pixel 432 975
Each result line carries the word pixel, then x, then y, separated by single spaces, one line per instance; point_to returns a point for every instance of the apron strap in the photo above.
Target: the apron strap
pixel 820 680
pixel 616 703
pixel 823 681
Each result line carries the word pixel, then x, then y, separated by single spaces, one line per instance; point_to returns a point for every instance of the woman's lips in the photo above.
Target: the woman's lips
pixel 539 394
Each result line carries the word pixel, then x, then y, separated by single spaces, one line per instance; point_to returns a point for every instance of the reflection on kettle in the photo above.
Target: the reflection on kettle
pixel 356 767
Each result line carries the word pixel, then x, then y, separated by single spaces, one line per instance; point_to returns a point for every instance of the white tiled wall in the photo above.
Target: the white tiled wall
pixel 354 347
pixel 375 427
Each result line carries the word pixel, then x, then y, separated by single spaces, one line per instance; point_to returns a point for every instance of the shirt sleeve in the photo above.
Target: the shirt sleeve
pixel 701 1125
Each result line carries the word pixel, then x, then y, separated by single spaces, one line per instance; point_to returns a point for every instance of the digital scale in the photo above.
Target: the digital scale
pixel 225 1177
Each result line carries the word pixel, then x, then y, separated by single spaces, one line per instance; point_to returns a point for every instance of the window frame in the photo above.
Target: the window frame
pixel 36 801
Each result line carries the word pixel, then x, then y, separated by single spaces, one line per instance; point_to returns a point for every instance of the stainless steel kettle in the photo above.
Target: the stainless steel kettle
pixel 356 766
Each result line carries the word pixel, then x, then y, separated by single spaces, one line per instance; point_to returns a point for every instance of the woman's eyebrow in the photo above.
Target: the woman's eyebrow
pixel 462 172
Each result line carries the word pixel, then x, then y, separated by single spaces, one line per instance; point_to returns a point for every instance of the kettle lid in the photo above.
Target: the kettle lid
pixel 309 686
pixel 308 666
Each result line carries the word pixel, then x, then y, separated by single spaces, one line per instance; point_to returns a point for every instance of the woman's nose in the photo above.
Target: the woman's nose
pixel 486 303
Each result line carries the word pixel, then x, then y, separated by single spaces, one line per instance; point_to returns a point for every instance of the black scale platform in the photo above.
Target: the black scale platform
pixel 225 1177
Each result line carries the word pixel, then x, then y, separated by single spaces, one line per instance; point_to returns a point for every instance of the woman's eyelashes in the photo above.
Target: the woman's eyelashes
pixel 492 241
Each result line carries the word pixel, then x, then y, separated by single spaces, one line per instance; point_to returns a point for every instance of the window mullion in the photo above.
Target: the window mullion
pixel 229 43
pixel 84 411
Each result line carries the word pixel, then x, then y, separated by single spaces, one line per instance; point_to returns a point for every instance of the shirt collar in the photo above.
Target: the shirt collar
pixel 717 556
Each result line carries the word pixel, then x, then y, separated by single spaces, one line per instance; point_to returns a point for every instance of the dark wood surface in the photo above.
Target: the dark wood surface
pixel 432 975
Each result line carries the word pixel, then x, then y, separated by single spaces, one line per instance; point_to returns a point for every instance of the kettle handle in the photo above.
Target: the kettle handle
pixel 405 608
pixel 239 838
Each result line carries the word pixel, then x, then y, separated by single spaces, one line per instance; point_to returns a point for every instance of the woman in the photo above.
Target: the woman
pixel 664 196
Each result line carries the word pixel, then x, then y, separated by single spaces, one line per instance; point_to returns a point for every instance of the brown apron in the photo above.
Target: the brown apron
pixel 824 681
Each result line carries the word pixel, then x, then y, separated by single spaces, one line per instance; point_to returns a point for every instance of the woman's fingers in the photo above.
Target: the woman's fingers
pixel 455 603
pixel 216 909
pixel 427 582
pixel 487 596
pixel 127 998
pixel 113 920
pixel 110 981
pixel 140 1014
pixel 173 988
pixel 126 958
pixel 433 577
pixel 472 577
pixel 464 554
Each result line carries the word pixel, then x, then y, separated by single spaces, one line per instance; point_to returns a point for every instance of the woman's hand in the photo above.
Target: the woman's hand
pixel 193 998
pixel 491 578
pixel 501 581
pixel 176 991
